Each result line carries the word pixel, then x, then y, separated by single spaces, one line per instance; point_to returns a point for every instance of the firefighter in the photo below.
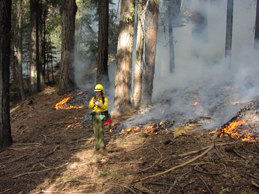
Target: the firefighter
pixel 99 105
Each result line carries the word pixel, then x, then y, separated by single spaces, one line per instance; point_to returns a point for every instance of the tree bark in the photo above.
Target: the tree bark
pixel 44 43
pixel 173 14
pixel 40 78
pixel 19 51
pixel 68 12
pixel 5 31
pixel 122 82
pixel 150 52
pixel 139 55
pixel 229 27
pixel 102 61
pixel 256 42
pixel 34 42
pixel 171 40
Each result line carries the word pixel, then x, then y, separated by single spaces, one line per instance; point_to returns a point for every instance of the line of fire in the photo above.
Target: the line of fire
pixel 234 129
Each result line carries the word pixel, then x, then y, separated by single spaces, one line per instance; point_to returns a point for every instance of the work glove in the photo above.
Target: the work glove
pixel 98 103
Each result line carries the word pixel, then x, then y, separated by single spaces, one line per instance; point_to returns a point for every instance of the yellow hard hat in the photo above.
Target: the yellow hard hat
pixel 98 88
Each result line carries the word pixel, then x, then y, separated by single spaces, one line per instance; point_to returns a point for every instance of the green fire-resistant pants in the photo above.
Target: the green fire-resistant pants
pixel 98 126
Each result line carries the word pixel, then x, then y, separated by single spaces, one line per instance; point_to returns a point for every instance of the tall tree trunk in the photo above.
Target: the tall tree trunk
pixel 139 55
pixel 52 70
pixel 19 51
pixel 150 52
pixel 34 50
pixel 102 61
pixel 229 27
pixel 173 14
pixel 5 31
pixel 171 41
pixel 256 42
pixel 68 12
pixel 122 82
pixel 40 78
pixel 44 43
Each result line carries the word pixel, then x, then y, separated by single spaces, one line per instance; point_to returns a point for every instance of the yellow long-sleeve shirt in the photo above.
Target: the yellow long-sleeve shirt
pixel 96 108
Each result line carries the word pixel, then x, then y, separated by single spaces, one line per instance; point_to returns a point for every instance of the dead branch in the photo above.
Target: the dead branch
pixel 74 181
pixel 3 166
pixel 200 163
pixel 117 185
pixel 12 120
pixel 103 192
pixel 6 190
pixel 254 183
pixel 205 184
pixel 85 182
pixel 175 181
pixel 82 147
pixel 33 172
pixel 156 183
pixel 136 147
pixel 197 151
pixel 181 165
pixel 239 154
pixel 19 158
pixel 170 189
pixel 201 171
pixel 250 151
pixel 135 161
pixel 143 189
pixel 52 151
pixel 102 183
pixel 16 108
pixel 26 144
pixel 154 162
pixel 77 140
pixel 63 192
pixel 251 175
pixel 60 123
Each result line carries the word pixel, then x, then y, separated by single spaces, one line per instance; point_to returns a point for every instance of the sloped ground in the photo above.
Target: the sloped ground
pixel 49 156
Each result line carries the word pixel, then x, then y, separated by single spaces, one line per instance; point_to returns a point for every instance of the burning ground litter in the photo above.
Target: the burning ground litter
pixel 47 157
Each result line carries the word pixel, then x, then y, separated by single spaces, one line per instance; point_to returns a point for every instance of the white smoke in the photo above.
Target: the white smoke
pixel 204 78
pixel 200 78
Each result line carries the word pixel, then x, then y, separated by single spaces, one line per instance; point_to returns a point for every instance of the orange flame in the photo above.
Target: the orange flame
pixel 62 103
pixel 74 125
pixel 231 130
pixel 148 129
pixel 195 104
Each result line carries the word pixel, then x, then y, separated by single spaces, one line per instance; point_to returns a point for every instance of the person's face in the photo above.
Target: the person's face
pixel 98 94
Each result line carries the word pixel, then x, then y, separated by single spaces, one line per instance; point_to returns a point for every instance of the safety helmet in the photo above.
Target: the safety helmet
pixel 98 88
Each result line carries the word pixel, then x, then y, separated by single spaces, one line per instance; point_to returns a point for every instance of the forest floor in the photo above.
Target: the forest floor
pixel 53 152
